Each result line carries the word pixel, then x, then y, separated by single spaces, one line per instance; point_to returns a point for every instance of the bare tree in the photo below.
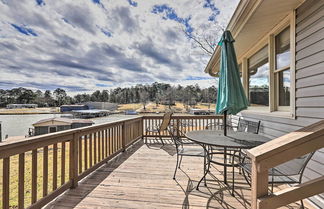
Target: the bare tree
pixel 170 96
pixel 206 38
pixel 144 97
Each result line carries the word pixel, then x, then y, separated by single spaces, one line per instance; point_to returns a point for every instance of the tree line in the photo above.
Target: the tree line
pixel 155 92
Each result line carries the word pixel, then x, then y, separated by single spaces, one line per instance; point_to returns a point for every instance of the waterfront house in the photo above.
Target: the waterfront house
pixel 70 108
pixel 52 125
pixel 280 52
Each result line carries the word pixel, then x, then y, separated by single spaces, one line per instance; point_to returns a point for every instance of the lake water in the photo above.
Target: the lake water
pixel 18 125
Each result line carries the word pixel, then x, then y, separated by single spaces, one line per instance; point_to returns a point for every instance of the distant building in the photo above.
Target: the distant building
pixel 131 112
pixel 93 113
pixel 18 106
pixel 52 125
pixel 70 108
pixel 102 105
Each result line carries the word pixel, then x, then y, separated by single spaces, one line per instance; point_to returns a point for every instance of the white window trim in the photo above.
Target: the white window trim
pixel 268 39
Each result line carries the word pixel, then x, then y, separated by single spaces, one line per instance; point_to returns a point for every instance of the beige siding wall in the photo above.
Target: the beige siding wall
pixel 309 85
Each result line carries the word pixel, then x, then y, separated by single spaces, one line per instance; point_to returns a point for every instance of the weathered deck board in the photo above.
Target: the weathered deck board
pixel 142 178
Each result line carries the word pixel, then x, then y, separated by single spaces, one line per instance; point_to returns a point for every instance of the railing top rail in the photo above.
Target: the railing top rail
pixel 289 146
pixel 47 139
pixel 183 116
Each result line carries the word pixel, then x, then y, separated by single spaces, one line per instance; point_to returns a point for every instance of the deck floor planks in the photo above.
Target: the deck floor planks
pixel 142 178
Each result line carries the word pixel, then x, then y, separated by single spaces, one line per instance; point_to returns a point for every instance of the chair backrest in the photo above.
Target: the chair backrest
pixel 248 126
pixel 173 131
pixel 295 166
pixel 166 121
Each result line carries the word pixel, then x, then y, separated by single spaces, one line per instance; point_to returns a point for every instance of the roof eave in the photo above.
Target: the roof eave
pixel 240 11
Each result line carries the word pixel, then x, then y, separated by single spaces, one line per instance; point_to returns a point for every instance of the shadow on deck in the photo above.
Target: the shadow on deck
pixel 141 177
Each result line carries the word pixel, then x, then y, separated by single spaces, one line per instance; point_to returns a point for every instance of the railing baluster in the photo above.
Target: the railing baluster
pixel 112 140
pixel 34 177
pixel 106 144
pixel 103 144
pixel 95 148
pixel 85 152
pixel 115 139
pixel 90 150
pixel 54 167
pixel 80 154
pixel 109 141
pixel 45 170
pixel 99 146
pixel 63 163
pixel 5 183
pixel 21 181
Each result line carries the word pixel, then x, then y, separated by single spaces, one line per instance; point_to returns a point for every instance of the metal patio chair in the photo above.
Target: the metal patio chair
pixel 248 126
pixel 184 148
pixel 290 172
pixel 158 129
pixel 242 126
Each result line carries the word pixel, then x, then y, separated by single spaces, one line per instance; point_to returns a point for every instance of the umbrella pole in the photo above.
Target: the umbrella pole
pixel 225 123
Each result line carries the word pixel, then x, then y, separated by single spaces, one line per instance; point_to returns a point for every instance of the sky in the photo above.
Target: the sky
pixel 88 45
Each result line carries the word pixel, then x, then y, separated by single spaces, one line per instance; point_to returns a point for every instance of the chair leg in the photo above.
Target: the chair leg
pixel 180 161
pixel 246 178
pixel 205 182
pixel 302 204
pixel 233 176
pixel 175 171
pixel 161 139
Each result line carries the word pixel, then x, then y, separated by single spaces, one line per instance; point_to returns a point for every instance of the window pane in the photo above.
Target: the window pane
pixel 283 49
pixel 284 88
pixel 259 78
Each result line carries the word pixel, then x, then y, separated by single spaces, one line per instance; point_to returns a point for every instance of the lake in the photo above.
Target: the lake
pixel 18 125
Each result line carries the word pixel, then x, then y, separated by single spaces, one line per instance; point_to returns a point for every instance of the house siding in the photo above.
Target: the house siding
pixel 309 86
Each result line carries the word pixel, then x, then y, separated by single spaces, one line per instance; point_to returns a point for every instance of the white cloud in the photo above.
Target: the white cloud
pixel 79 44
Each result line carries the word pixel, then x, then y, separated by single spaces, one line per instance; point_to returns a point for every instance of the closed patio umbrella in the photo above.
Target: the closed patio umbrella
pixel 231 97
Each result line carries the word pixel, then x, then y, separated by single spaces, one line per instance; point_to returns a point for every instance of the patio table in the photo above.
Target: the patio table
pixel 233 141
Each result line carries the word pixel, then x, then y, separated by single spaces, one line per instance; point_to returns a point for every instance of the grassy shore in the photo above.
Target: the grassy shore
pixel 22 111
pixel 152 107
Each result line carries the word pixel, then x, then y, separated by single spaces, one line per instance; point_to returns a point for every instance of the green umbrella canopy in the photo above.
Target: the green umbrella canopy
pixel 231 96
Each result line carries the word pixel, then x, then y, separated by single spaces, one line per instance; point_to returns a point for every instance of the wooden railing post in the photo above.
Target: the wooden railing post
pixel 5 183
pixel 123 136
pixel 259 184
pixel 142 128
pixel 74 160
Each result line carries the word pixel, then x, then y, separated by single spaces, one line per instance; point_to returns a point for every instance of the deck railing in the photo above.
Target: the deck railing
pixel 40 168
pixel 278 151
pixel 186 122
pixel 37 170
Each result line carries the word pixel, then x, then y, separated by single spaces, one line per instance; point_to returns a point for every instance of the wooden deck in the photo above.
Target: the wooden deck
pixel 141 177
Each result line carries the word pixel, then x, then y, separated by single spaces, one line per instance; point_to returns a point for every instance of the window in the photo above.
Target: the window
pixel 268 71
pixel 282 68
pixel 258 77
pixel 52 129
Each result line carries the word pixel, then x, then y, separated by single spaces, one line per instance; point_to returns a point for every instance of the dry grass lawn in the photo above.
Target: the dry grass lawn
pixel 152 107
